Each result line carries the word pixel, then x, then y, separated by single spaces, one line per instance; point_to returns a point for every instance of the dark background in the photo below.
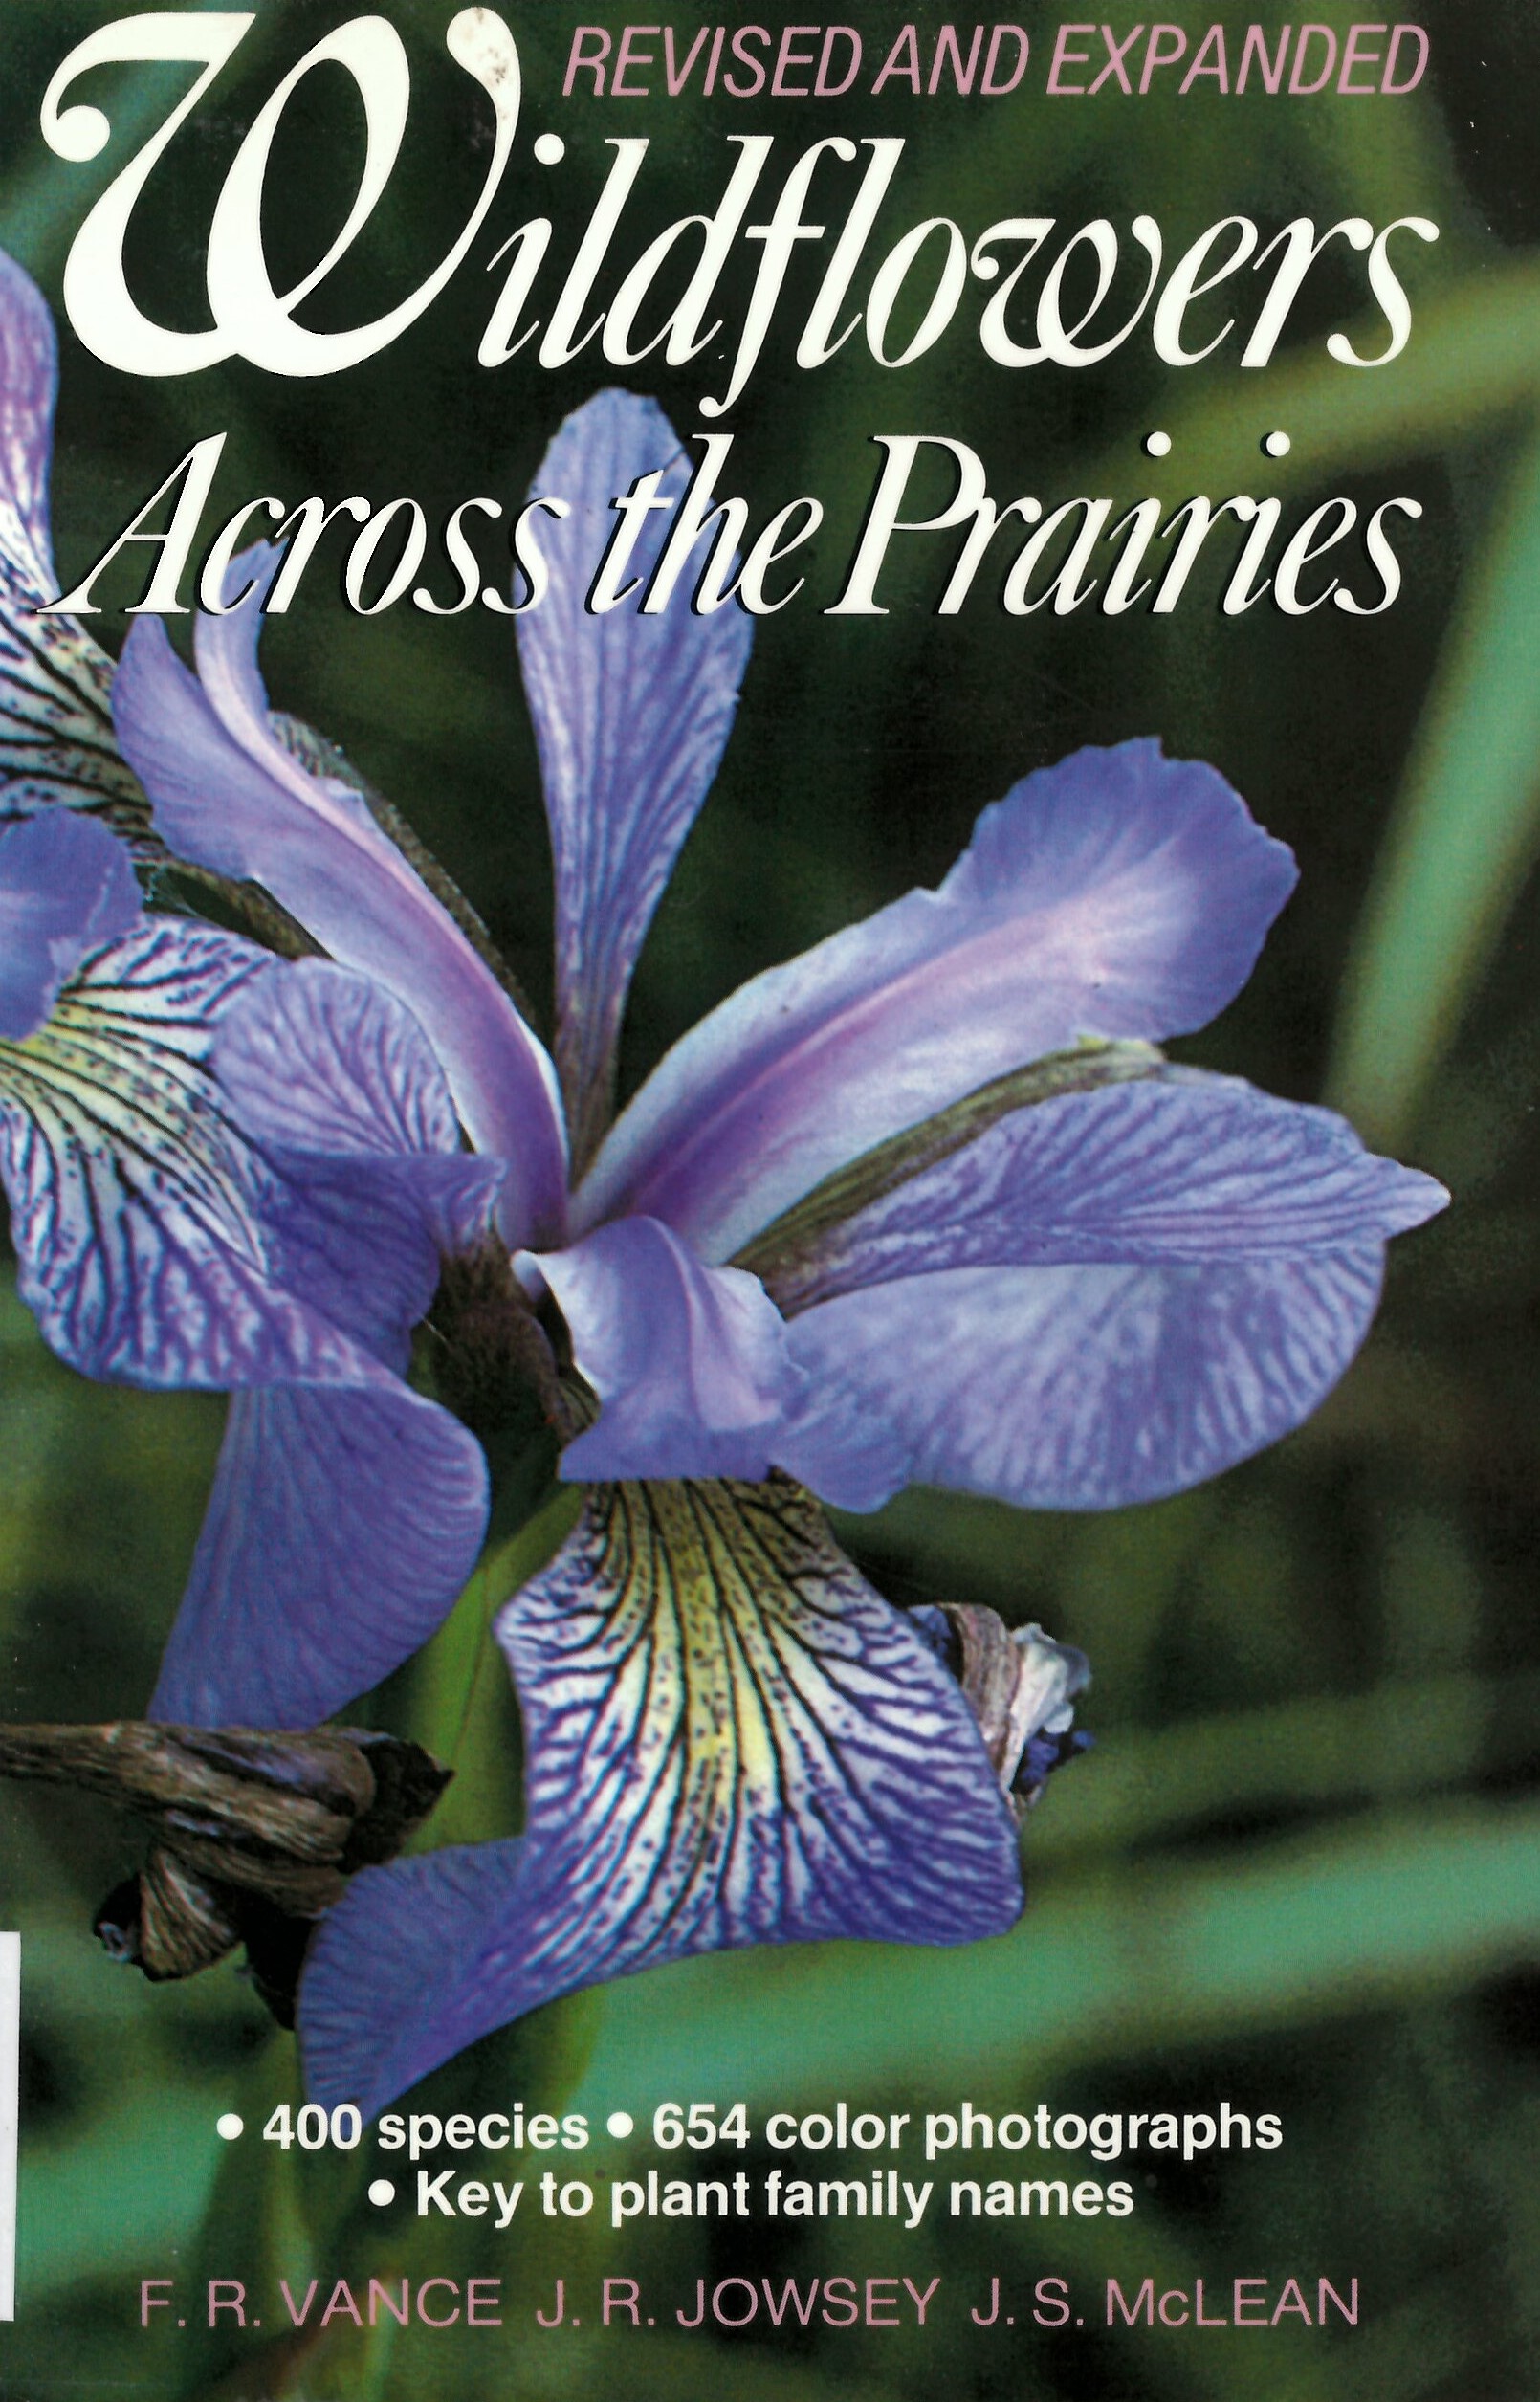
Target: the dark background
pixel 1299 1871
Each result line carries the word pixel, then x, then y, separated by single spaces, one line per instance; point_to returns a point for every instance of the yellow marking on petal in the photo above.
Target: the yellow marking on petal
pixel 734 1739
pixel 121 1071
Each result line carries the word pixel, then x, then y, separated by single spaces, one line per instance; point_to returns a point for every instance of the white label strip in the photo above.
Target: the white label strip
pixel 9 2100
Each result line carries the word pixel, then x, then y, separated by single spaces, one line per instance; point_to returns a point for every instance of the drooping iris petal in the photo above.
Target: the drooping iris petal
pixel 328 1065
pixel 732 1739
pixel 393 1983
pixel 56 742
pixel 1180 1167
pixel 234 797
pixel 630 716
pixel 67 888
pixel 1117 893
pixel 362 1185
pixel 159 1246
pixel 341 1528
pixel 1084 1387
pixel 347 1514
pixel 690 1362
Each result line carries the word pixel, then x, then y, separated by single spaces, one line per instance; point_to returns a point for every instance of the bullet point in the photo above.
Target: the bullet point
pixel 381 2191
pixel 1277 445
pixel 620 2122
pixel 1157 445
pixel 550 149
pixel 230 2124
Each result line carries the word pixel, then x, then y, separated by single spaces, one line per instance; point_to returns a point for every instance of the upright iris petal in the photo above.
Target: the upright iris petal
pixel 233 796
pixel 631 713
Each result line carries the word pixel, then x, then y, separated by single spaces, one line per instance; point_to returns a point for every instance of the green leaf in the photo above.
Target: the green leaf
pixel 797 1254
pixel 462 1707
pixel 1466 831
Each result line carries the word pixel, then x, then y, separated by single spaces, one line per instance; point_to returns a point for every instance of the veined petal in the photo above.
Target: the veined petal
pixel 67 888
pixel 159 1248
pixel 732 1739
pixel 1118 893
pixel 357 1240
pixel 361 1183
pixel 137 1204
pixel 630 716
pixel 29 380
pixel 232 796
pixel 131 1205
pixel 1081 1387
pixel 326 1065
pixel 56 742
pixel 341 1528
pixel 1181 1166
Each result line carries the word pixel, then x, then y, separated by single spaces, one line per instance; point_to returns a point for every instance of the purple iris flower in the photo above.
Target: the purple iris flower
pixel 154 1237
pixel 923 1204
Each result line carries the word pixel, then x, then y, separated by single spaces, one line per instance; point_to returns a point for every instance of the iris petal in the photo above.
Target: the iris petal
pixel 57 741
pixel 1082 1387
pixel 695 1374
pixel 330 1065
pixel 234 797
pixel 341 1528
pixel 690 1362
pixel 732 1739
pixel 159 1246
pixel 29 379
pixel 1181 1166
pixel 66 889
pixel 630 716
pixel 138 1205
pixel 131 1203
pixel 1103 1298
pixel 361 1183
pixel 1118 893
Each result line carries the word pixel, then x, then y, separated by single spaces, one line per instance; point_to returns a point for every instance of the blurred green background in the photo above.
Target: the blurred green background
pixel 1300 1870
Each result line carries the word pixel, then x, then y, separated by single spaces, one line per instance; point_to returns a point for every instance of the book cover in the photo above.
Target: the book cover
pixel 768 796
